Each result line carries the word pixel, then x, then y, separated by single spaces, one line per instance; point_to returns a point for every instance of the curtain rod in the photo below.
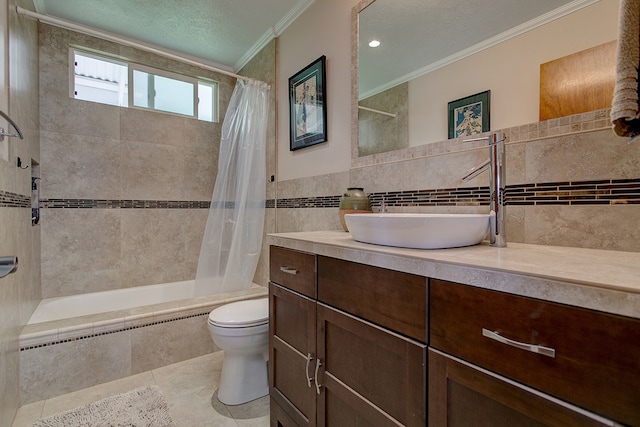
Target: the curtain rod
pixel 105 36
pixel 384 113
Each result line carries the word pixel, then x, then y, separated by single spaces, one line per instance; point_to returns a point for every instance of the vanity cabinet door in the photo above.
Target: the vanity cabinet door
pixel 588 358
pixel 292 353
pixel 368 376
pixel 461 395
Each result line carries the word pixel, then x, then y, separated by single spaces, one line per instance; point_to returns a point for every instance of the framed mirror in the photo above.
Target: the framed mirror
pixel 431 53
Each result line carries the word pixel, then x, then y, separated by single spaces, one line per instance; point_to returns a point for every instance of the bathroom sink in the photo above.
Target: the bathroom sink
pixel 419 231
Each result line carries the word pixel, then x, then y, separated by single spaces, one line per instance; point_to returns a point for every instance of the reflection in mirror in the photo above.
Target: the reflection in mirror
pixel 419 38
pixel 378 129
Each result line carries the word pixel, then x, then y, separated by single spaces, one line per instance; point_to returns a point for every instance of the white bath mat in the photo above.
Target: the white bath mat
pixel 142 407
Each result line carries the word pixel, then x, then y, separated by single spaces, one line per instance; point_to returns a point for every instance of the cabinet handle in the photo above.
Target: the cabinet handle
pixel 288 270
pixel 318 385
pixel 546 351
pixel 306 370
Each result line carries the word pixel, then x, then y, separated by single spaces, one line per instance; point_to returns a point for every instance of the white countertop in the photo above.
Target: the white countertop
pixel 603 280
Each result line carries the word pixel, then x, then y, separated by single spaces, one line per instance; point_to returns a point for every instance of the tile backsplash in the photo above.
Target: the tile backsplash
pixel 570 182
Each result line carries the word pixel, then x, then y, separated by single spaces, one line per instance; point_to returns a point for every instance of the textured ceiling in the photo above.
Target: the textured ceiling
pixel 416 34
pixel 226 33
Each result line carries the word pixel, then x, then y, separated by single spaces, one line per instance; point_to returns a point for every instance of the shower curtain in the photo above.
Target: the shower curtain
pixel 232 239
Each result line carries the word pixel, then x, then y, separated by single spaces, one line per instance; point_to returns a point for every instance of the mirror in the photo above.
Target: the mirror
pixel 419 38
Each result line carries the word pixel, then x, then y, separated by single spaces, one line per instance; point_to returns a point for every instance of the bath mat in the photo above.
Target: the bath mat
pixel 142 407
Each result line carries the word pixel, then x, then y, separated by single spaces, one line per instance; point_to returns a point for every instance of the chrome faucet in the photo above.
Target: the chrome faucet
pixel 497 166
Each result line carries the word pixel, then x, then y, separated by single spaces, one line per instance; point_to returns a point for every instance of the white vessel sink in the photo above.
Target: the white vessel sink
pixel 419 231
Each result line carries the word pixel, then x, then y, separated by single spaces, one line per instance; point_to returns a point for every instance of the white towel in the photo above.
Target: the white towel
pixel 625 109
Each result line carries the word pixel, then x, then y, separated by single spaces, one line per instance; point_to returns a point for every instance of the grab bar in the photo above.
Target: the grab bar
pixel 12 123
pixel 8 265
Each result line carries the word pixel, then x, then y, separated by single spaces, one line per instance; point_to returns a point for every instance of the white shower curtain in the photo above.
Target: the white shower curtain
pixel 233 236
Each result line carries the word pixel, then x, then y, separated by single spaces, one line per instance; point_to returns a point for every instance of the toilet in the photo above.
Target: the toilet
pixel 241 329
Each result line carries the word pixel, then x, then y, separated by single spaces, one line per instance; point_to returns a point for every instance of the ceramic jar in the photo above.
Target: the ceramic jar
pixel 354 200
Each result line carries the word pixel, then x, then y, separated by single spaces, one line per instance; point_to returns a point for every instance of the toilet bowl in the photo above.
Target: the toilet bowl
pixel 241 329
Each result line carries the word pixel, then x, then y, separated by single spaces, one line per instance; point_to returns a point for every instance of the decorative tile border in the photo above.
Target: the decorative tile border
pixel 36 336
pixel 130 204
pixel 122 204
pixel 469 196
pixel 600 192
pixel 13 200
pixel 309 202
pixel 54 338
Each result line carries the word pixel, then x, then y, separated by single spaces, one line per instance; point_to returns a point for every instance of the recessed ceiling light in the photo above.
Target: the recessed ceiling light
pixel 374 43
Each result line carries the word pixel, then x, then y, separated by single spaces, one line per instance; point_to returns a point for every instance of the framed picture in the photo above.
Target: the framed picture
pixel 307 105
pixel 470 115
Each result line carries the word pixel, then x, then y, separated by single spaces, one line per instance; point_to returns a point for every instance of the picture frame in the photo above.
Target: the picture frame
pixel 308 105
pixel 470 115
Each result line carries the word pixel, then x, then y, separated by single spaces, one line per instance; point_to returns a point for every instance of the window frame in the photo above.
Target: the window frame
pixel 195 81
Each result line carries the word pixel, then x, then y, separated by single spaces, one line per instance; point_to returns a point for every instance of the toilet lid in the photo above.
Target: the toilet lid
pixel 241 314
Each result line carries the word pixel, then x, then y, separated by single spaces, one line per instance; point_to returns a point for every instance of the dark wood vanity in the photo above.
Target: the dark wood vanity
pixel 353 344
pixel 345 355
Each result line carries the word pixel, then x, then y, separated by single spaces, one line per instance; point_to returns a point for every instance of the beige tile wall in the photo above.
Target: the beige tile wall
pixel 573 153
pixel 20 291
pixel 378 132
pixel 104 358
pixel 95 348
pixel 100 152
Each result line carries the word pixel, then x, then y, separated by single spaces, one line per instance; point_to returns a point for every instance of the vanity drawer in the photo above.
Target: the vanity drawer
pixel 588 358
pixel 293 269
pixel 392 299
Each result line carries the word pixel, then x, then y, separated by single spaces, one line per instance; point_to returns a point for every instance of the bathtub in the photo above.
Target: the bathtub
pixel 98 337
pixel 120 299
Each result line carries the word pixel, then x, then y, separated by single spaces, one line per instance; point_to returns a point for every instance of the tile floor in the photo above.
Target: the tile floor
pixel 189 388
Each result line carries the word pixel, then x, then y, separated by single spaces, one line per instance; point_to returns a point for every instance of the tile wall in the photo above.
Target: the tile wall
pixel 378 132
pixel 125 192
pixel 93 349
pixel 570 182
pixel 20 291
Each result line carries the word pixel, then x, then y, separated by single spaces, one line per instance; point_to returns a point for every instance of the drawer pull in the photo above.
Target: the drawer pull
pixel 306 370
pixel 546 351
pixel 318 385
pixel 288 270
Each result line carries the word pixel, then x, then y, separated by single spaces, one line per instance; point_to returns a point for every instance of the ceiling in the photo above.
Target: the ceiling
pixel 222 33
pixel 419 36
pixel 416 34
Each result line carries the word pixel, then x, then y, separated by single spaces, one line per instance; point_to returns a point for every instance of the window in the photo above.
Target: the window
pixel 157 92
pixel 100 80
pixel 207 102
pixel 108 81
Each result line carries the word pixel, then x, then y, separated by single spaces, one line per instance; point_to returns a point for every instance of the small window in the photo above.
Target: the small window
pixel 207 107
pixel 100 80
pixel 162 93
pixel 107 81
